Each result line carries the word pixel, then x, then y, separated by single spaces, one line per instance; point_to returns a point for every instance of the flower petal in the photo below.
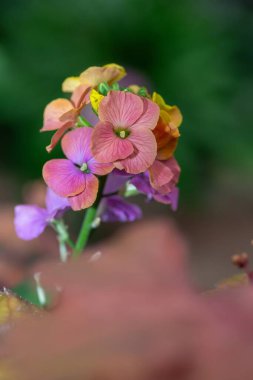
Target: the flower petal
pixel 53 113
pixel 116 209
pixel 161 170
pixel 108 73
pixel 58 135
pixel 63 177
pixel 99 168
pixel 107 146
pixel 115 181
pixel 145 148
pixel 95 99
pixel 171 198
pixel 114 72
pixel 76 145
pixel 55 203
pixel 160 174
pixel 30 221
pixel 80 96
pixel 70 84
pixel 167 151
pixel 121 109
pixel 150 115
pixel 88 196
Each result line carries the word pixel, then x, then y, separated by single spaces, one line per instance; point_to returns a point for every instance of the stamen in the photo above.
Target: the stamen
pixel 122 134
pixel 84 167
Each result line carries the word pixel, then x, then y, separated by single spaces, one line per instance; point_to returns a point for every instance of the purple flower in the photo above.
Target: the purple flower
pixel 115 180
pixel 30 220
pixel 142 184
pixel 116 209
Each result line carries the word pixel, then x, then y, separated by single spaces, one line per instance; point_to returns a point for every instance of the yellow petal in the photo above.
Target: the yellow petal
pixel 70 84
pixel 174 115
pixel 121 72
pixel 95 99
pixel 158 99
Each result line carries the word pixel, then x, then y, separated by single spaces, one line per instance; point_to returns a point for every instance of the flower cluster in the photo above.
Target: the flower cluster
pixel 127 150
pixel 135 133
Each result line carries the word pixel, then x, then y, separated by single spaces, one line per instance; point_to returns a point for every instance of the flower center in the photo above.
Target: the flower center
pixel 122 133
pixel 84 168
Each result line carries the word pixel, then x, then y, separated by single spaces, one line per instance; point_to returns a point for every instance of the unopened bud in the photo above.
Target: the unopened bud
pixel 241 260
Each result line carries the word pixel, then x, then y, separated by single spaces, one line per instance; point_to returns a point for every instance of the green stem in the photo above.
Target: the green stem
pixel 89 218
pixel 85 231
pixel 82 122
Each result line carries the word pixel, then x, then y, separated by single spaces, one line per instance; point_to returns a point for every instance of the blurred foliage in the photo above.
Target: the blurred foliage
pixel 197 53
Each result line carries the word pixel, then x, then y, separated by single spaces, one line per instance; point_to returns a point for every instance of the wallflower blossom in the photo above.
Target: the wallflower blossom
pixel 74 177
pixel 116 209
pixel 31 220
pixel 142 184
pixel 62 114
pixel 166 130
pixel 164 175
pixel 124 135
pixel 94 75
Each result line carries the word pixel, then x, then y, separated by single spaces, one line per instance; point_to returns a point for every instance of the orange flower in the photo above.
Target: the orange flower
pixel 94 75
pixel 166 131
pixel 61 114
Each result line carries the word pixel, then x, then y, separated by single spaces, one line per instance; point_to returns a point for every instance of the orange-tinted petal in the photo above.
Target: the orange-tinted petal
pixel 53 113
pixel 58 135
pixel 70 84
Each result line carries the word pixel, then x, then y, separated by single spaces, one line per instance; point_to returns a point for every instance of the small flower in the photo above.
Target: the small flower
pixel 30 220
pixel 159 182
pixel 124 135
pixel 164 175
pixel 74 177
pixel 94 75
pixel 116 209
pixel 62 114
pixel 166 131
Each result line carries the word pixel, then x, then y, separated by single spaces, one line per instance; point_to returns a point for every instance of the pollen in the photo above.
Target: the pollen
pixel 122 134
pixel 84 167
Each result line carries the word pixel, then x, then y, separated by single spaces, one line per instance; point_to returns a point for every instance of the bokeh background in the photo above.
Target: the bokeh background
pixel 197 53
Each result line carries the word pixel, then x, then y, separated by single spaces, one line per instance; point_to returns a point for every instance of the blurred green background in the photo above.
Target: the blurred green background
pixel 197 53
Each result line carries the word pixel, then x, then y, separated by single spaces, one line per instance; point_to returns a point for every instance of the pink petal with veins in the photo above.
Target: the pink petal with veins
pixel 86 198
pixel 145 149
pixel 150 115
pixel 121 109
pixel 63 177
pixel 53 113
pixel 76 145
pixel 107 146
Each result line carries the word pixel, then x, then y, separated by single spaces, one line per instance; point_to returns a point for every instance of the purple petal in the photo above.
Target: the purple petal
pixel 116 209
pixel 169 199
pixel 30 221
pixel 55 203
pixel 142 184
pixel 76 145
pixel 115 181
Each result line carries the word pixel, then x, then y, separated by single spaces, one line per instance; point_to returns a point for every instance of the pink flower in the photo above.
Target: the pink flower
pixel 74 177
pixel 61 114
pixel 124 134
pixel 164 175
